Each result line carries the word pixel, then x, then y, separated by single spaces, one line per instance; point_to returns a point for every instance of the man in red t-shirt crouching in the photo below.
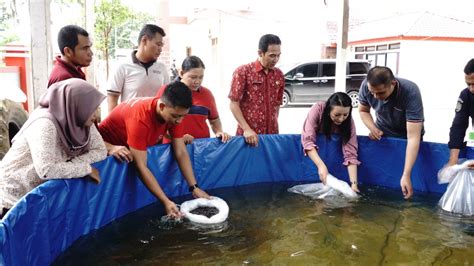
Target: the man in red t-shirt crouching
pixel 139 123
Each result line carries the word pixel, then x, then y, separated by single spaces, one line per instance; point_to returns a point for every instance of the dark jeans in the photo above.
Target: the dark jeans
pixel 4 211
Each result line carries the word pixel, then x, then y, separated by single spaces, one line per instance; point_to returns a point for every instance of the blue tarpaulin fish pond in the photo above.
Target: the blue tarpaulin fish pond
pixel 50 218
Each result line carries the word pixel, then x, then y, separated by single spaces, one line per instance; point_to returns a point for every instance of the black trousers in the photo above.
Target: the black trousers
pixel 4 211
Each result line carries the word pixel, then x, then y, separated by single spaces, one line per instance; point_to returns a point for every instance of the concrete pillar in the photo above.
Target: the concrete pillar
pixel 41 49
pixel 164 22
pixel 342 32
pixel 89 26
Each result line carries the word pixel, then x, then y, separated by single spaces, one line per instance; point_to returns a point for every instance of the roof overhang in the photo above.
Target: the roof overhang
pixel 412 38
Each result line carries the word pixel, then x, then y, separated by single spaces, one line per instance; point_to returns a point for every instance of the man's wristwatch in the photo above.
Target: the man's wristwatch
pixel 193 187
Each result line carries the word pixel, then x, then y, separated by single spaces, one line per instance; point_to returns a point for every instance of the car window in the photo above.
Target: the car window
pixel 308 70
pixel 287 68
pixel 329 70
pixel 290 74
pixel 358 68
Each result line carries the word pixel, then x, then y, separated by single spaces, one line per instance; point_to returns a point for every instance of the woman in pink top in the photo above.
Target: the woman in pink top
pixel 332 116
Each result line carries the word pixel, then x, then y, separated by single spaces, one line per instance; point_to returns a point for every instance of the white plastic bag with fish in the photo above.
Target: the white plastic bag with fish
pixel 333 187
pixel 220 204
pixel 459 196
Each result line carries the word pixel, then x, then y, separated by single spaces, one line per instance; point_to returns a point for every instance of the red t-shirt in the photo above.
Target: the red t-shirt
pixel 135 124
pixel 63 70
pixel 203 108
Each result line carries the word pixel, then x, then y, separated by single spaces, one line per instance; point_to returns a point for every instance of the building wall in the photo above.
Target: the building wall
pixel 225 40
pixel 430 64
pixel 382 53
pixel 437 67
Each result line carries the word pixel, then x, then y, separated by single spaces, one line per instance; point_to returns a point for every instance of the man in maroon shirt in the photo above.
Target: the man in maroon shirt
pixel 75 47
pixel 257 91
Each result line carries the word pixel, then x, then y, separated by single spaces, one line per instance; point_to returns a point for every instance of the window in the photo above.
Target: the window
pixel 371 58
pixel 290 74
pixel 329 70
pixel 370 48
pixel 358 68
pixel 381 60
pixel 394 46
pixel 392 62
pixel 380 55
pixel 309 70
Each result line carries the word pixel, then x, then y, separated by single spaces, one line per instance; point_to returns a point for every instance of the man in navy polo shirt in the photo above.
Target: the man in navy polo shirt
pixel 399 111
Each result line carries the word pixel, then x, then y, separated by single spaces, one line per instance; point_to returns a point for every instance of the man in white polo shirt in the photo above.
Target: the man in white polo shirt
pixel 142 76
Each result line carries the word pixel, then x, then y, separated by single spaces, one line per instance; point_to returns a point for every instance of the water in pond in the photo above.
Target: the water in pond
pixel 268 225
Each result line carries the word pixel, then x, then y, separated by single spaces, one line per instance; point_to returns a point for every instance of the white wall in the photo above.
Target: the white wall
pixel 238 37
pixel 178 39
pixel 438 69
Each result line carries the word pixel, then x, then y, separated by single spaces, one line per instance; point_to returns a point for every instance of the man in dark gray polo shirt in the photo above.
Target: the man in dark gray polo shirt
pixel 399 111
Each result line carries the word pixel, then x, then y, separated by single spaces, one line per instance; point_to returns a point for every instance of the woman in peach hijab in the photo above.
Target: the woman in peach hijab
pixel 58 141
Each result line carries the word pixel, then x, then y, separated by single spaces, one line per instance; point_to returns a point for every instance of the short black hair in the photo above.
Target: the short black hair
pixel 177 94
pixel 343 100
pixel 67 37
pixel 469 68
pixel 150 30
pixel 379 75
pixel 267 40
pixel 191 62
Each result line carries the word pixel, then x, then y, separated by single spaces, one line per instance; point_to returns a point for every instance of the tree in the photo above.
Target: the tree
pixel 64 5
pixel 126 35
pixel 8 22
pixel 108 15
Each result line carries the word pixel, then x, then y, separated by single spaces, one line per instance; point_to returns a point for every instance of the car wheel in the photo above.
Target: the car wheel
pixel 354 95
pixel 11 120
pixel 285 100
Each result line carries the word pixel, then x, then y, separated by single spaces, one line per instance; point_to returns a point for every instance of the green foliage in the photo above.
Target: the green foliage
pixel 116 26
pixel 65 5
pixel 8 38
pixel 7 22
pixel 126 35
pixel 5 14
pixel 108 15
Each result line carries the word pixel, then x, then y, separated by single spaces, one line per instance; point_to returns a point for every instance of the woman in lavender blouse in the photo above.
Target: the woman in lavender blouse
pixel 332 116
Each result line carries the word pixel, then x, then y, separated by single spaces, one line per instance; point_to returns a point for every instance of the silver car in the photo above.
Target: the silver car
pixel 313 81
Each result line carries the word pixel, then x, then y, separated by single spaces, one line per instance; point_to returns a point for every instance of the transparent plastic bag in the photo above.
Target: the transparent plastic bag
pixel 447 173
pixel 334 188
pixel 314 190
pixel 459 196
